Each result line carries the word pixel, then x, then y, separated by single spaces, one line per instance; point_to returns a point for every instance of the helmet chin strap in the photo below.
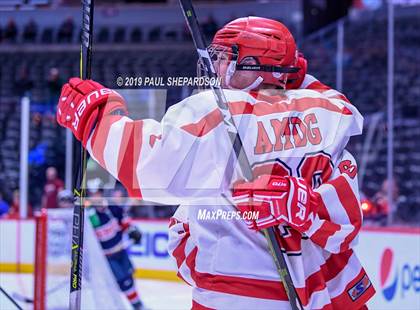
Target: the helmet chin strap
pixel 231 69
pixel 254 84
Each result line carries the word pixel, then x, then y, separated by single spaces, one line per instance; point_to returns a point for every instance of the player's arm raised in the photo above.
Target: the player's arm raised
pixel 126 148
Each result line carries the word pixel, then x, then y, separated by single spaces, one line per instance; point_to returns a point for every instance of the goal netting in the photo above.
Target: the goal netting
pixel 53 260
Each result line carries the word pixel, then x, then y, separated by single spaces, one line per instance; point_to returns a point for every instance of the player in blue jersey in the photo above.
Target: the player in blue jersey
pixel 110 223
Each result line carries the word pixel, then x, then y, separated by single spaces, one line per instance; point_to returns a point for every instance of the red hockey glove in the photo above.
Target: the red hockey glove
pixel 82 102
pixel 278 200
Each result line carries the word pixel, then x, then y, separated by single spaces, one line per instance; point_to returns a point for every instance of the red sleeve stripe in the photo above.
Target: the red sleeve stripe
pixel 262 108
pixel 172 222
pixel 323 233
pixel 179 275
pixel 323 211
pixel 316 282
pixel 351 205
pixel 179 252
pixel 335 264
pixel 318 86
pixel 197 306
pixel 204 125
pixel 322 88
pixel 327 307
pixel 100 136
pixel 344 301
pixel 128 157
pixel 333 94
pixel 341 97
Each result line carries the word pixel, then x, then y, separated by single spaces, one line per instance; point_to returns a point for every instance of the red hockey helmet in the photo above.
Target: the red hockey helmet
pixel 266 40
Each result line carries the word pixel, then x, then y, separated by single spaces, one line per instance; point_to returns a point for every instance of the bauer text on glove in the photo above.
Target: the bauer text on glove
pixel 278 200
pixel 82 102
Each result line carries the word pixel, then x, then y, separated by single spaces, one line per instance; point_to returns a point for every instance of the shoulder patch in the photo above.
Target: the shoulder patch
pixel 359 288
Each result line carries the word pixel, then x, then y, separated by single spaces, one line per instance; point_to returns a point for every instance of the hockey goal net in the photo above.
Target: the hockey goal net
pixel 52 266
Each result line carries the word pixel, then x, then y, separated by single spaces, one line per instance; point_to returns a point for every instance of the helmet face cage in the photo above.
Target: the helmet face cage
pixel 219 53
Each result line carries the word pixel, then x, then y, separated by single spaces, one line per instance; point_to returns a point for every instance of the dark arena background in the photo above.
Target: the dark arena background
pixel 368 50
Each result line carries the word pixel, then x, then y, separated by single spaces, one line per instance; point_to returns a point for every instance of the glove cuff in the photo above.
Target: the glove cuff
pixel 96 116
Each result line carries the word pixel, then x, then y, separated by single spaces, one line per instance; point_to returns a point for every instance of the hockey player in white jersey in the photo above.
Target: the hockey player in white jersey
pixel 305 182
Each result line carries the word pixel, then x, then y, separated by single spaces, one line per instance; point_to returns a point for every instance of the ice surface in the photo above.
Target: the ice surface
pixel 155 294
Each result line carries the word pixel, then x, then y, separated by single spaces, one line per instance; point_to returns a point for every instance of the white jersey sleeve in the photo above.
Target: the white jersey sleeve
pixel 181 158
pixel 339 217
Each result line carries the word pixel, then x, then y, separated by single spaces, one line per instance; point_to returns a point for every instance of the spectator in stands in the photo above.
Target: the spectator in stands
pixel 4 206
pixel 65 33
pixel 15 206
pixel 30 31
pixel 65 199
pixel 210 27
pixel 54 84
pixel 23 84
pixel 10 32
pixel 380 200
pixel 51 188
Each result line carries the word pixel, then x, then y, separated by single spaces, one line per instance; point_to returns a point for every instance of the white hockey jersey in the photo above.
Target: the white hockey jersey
pixel 182 160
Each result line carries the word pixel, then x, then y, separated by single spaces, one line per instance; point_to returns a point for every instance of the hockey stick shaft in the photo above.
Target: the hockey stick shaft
pixel 11 299
pixel 200 45
pixel 79 160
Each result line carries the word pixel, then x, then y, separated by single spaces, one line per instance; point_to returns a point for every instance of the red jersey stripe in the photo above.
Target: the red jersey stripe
pixel 128 157
pixel 323 211
pixel 328 307
pixel 197 306
pixel 235 285
pixel 351 205
pixel 204 125
pixel 344 300
pixel 100 136
pixel 335 264
pixel 327 229
pixel 322 88
pixel 265 288
pixel 318 86
pixel 262 108
pixel 179 252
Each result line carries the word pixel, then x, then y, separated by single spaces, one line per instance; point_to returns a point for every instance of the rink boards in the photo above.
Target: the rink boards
pixel 391 257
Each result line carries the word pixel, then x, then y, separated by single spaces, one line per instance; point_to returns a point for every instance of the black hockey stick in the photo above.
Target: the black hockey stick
pixel 11 299
pixel 79 160
pixel 269 233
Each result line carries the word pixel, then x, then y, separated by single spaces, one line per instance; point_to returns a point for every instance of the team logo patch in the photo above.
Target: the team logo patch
pixel 359 288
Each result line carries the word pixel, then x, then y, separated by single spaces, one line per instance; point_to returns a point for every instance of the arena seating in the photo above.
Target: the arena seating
pixel 365 84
